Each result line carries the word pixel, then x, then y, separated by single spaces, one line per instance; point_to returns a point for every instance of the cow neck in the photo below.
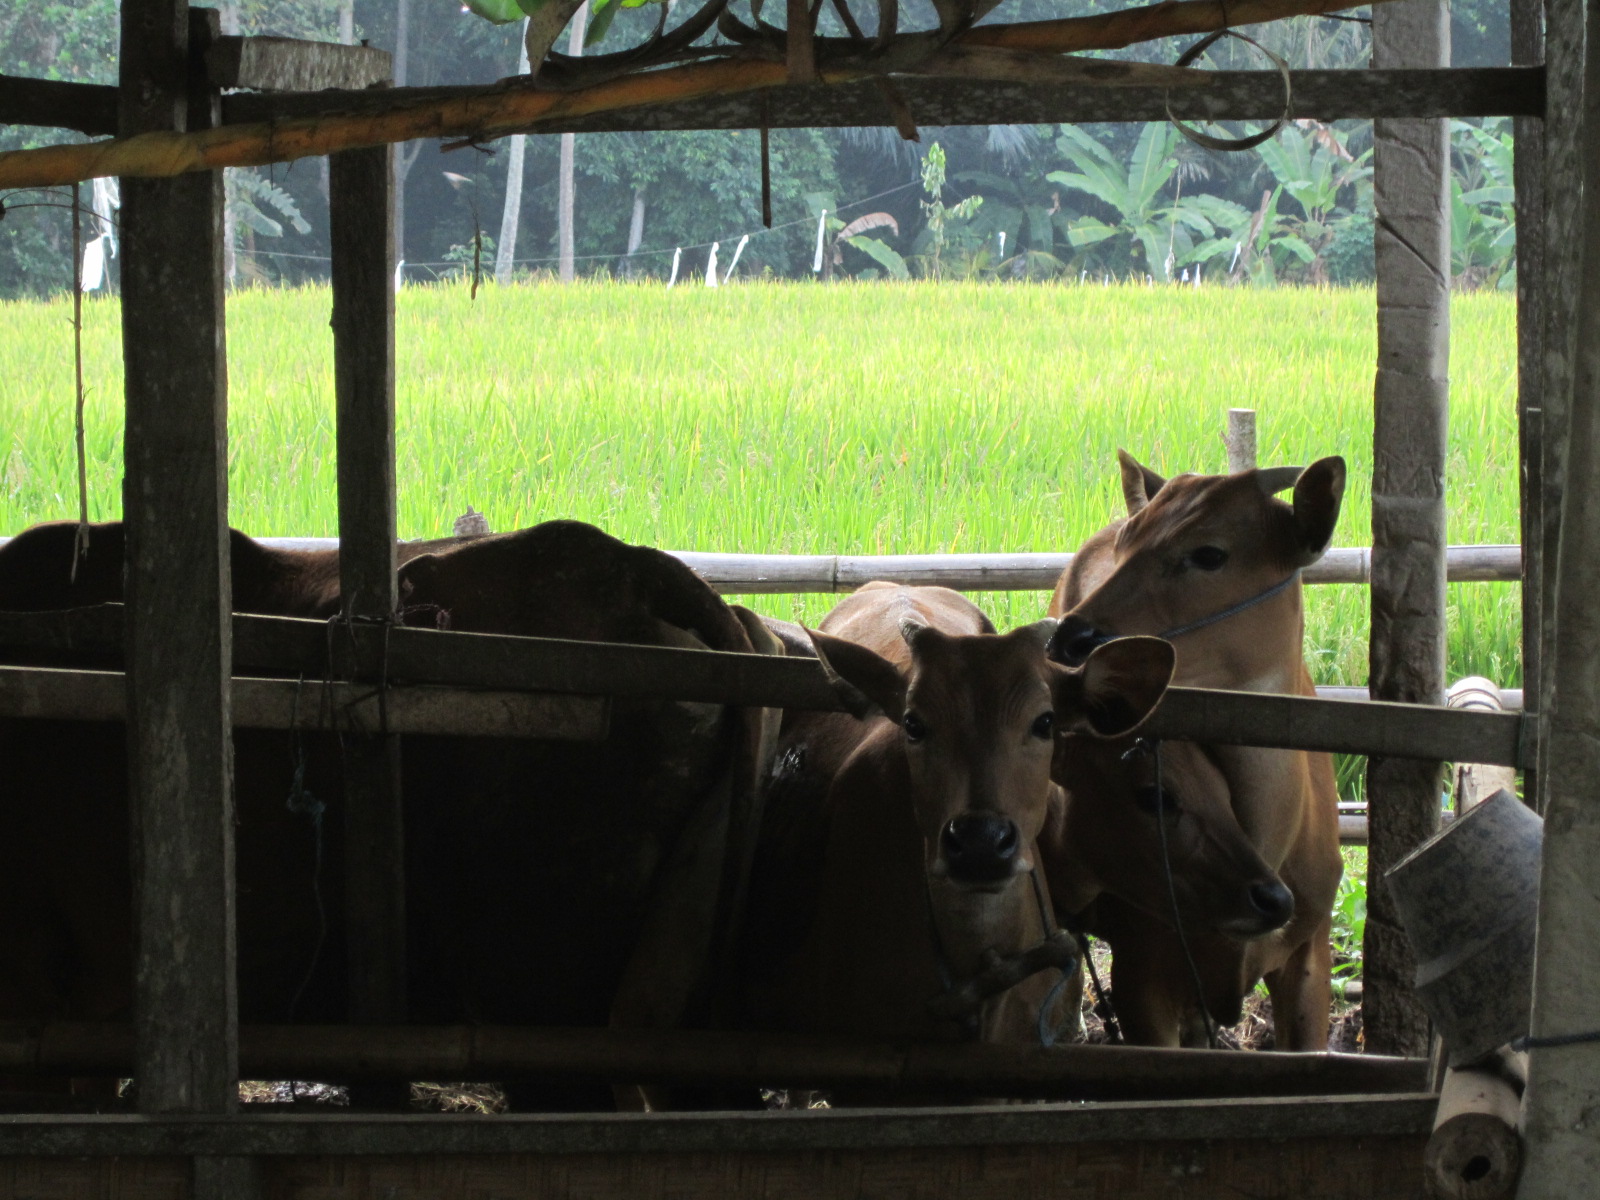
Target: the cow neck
pixel 969 1020
pixel 1232 610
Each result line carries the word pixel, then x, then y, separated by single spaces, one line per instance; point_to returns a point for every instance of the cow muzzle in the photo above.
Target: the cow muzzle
pixel 1074 640
pixel 980 849
pixel 1271 907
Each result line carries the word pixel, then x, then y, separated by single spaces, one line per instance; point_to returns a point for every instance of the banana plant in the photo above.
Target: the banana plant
pixel 1314 167
pixel 1165 233
pixel 1483 215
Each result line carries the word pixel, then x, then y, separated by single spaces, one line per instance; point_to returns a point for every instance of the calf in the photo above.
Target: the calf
pixel 1213 563
pixel 900 854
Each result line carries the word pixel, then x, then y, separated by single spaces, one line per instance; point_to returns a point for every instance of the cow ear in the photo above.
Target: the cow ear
pixel 1039 631
pixel 1318 493
pixel 868 684
pixel 1272 480
pixel 1139 483
pixel 1116 689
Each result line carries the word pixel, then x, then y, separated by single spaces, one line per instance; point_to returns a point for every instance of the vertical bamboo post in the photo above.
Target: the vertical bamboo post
pixel 178 635
pixel 1527 49
pixel 1411 165
pixel 362 235
pixel 1241 439
pixel 1563 1154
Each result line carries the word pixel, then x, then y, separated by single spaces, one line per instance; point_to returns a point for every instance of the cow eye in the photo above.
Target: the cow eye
pixel 914 726
pixel 1208 558
pixel 1044 725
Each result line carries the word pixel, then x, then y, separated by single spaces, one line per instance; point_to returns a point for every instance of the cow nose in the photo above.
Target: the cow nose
pixel 1273 902
pixel 1073 641
pixel 980 847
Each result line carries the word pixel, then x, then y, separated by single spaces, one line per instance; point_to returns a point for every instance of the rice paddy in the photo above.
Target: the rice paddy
pixel 793 418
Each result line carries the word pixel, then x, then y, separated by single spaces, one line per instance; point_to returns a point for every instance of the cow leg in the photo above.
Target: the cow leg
pixel 1301 990
pixel 1150 1008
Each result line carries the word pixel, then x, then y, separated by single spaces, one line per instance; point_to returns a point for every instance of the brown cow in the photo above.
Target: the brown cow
pixel 548 883
pixel 1212 562
pixel 901 845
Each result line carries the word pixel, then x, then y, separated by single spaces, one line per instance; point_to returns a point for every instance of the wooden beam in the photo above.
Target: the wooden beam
pixel 1563 1096
pixel 347 120
pixel 85 107
pixel 361 221
pixel 1411 185
pixel 1527 49
pixel 294 64
pixel 175 506
pixel 412 1135
pixel 1419 732
pixel 691 1058
pixel 1227 95
pixel 602 669
pixel 351 708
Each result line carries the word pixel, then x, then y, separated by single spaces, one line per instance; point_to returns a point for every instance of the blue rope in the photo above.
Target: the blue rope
pixel 1232 611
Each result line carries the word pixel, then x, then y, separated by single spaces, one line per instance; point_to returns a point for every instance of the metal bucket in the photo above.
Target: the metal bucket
pixel 1469 900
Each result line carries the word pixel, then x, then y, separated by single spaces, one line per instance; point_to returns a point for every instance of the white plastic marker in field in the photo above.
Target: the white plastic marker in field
pixel 676 255
pixel 399 276
pixel 711 266
pixel 1002 243
pixel 94 264
pixel 1197 274
pixel 1237 248
pixel 734 261
pixel 822 227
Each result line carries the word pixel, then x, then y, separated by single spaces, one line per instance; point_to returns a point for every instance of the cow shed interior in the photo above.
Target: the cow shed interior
pixel 1322 1127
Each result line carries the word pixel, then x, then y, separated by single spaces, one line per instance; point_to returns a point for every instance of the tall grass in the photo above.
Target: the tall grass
pixel 867 418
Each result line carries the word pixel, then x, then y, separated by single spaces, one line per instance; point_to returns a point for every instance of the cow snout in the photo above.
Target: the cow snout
pixel 1273 903
pixel 980 848
pixel 1074 640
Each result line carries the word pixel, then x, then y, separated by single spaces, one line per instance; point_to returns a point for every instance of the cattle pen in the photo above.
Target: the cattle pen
pixel 1116 1122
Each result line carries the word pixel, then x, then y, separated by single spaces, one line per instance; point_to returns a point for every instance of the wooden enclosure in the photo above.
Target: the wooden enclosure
pixel 186 681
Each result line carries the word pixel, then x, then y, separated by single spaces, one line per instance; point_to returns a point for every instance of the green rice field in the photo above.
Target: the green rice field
pixel 792 418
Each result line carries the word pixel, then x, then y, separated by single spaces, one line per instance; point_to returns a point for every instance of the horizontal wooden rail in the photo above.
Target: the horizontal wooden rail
pixel 1378 1118
pixel 1071 1072
pixel 60 694
pixel 1232 95
pixel 1304 723
pixel 284 645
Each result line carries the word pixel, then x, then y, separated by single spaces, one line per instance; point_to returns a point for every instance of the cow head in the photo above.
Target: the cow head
pixel 977 718
pixel 1109 835
pixel 1193 548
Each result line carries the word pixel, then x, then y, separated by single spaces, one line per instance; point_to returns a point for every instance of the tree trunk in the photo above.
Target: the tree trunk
pixel 569 141
pixel 636 225
pixel 505 250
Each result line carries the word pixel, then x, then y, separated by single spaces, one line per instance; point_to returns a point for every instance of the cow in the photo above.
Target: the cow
pixel 547 882
pixel 898 859
pixel 1213 562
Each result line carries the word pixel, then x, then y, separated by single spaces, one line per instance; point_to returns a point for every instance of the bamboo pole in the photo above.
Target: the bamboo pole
pixel 496 112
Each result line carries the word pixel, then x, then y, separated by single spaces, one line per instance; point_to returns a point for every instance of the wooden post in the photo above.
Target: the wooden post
pixel 362 232
pixel 178 635
pixel 1241 439
pixel 1527 49
pixel 1407 654
pixel 1563 1096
